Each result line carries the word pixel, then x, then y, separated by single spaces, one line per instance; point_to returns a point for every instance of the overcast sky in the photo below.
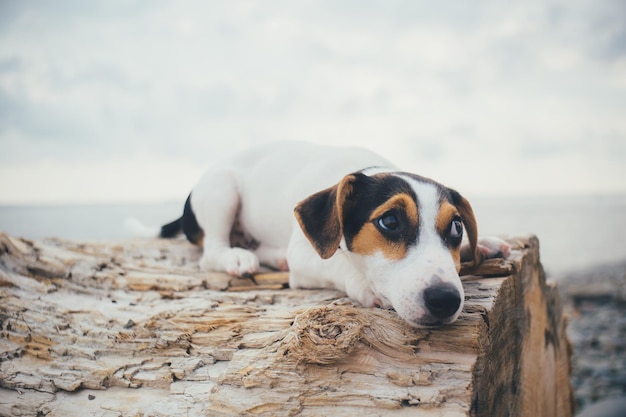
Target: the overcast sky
pixel 120 101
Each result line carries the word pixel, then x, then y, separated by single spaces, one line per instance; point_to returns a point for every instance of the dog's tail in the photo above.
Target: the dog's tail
pixel 187 223
pixel 138 229
pixel 172 229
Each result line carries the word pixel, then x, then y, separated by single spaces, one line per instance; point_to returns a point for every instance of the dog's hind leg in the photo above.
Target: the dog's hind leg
pixel 273 257
pixel 215 202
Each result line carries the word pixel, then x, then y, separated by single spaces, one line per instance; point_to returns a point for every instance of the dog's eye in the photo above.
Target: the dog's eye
pixel 388 222
pixel 456 229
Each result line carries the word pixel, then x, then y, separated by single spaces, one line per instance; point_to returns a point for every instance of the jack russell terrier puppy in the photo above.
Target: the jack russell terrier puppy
pixel 341 218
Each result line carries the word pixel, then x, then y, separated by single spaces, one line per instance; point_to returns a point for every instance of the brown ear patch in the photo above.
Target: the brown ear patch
pixel 320 216
pixel 447 212
pixel 370 239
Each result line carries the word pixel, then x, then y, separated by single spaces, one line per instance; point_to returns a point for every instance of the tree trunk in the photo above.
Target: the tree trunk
pixel 135 328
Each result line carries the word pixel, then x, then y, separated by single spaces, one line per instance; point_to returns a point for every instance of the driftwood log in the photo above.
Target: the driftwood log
pixel 134 328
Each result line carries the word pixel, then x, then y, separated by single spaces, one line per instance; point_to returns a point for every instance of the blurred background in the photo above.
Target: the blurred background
pixel 113 109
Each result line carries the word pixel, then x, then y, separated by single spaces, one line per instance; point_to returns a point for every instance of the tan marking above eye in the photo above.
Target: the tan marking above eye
pixel 403 202
pixel 447 212
pixel 369 240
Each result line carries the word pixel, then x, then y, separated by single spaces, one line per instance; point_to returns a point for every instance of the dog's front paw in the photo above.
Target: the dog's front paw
pixel 493 247
pixel 235 261
pixel 240 262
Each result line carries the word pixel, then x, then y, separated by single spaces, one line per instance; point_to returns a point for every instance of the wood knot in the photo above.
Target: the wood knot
pixel 323 335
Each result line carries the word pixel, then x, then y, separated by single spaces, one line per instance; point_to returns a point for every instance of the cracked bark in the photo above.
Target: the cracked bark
pixel 135 328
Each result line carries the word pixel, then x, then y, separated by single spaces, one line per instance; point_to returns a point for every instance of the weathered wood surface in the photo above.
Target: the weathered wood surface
pixel 135 328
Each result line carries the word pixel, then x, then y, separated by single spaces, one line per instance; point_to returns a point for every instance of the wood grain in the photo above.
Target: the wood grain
pixel 135 328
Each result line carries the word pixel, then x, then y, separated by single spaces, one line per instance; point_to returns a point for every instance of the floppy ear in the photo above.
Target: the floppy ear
pixel 469 221
pixel 320 216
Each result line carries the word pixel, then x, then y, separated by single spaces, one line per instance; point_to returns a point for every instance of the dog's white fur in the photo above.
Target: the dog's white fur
pixel 263 186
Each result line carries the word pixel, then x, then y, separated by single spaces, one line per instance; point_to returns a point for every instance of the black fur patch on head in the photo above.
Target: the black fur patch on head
pixel 369 193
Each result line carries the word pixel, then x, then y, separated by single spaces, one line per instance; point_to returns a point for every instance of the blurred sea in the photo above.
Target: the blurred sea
pixel 574 232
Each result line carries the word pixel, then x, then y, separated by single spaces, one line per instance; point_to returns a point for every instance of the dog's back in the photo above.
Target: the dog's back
pixel 272 179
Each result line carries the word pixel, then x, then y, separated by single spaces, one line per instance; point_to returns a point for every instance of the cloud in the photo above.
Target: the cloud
pixel 522 81
pixel 109 180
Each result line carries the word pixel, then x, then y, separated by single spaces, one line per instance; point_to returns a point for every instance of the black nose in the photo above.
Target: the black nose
pixel 442 301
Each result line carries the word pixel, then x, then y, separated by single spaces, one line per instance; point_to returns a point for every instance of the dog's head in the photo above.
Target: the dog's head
pixel 406 231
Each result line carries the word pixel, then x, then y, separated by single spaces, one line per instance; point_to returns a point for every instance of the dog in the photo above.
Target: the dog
pixel 342 218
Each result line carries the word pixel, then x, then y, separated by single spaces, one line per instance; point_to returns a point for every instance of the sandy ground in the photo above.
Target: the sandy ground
pixel 595 301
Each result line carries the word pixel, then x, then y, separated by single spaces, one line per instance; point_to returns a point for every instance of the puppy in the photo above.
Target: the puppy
pixel 341 218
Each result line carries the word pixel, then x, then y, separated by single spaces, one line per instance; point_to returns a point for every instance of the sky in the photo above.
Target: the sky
pixel 129 101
